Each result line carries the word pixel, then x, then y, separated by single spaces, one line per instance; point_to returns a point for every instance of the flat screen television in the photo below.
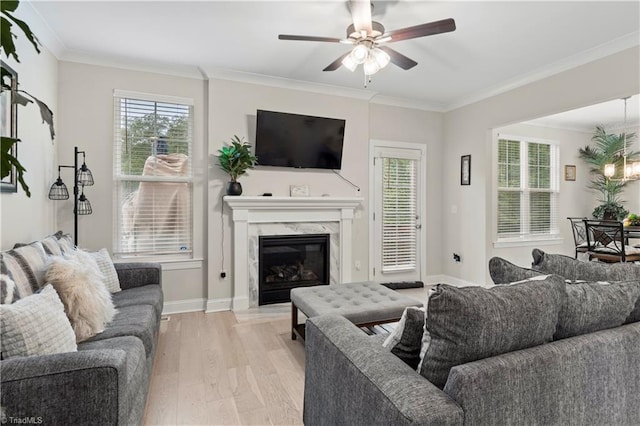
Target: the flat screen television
pixel 294 140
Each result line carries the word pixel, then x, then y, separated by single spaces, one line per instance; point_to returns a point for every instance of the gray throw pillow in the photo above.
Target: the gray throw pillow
pixel 593 306
pixel 472 323
pixel 405 340
pixel 503 272
pixel 573 269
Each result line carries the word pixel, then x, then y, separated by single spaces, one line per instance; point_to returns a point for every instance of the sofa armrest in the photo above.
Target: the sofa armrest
pixel 84 387
pixel 351 379
pixel 137 274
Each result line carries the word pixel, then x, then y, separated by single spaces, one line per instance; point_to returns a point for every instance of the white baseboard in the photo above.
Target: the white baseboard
pixel 218 305
pixel 446 279
pixel 181 306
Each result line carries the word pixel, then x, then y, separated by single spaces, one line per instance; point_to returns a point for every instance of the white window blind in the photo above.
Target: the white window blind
pixel 153 143
pixel 399 214
pixel 528 188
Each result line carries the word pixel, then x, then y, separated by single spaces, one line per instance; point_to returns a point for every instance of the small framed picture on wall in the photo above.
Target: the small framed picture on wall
pixel 465 170
pixel 570 172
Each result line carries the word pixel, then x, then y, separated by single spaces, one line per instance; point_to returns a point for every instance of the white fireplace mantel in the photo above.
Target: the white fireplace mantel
pixel 255 210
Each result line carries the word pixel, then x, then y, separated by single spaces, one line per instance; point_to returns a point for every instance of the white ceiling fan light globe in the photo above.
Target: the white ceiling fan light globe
pixel 359 53
pixel 371 66
pixel 349 63
pixel 381 57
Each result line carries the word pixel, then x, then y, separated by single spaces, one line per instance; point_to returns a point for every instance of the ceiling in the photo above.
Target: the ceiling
pixel 496 46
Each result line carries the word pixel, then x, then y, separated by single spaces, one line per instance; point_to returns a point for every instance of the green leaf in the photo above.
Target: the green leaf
pixel 7 161
pixel 26 30
pixel 8 5
pixel 6 39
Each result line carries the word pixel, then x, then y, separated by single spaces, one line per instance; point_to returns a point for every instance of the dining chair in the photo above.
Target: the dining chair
pixel 606 242
pixel 579 234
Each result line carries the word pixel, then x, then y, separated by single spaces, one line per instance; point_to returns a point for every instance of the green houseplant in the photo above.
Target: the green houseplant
pixel 608 149
pixel 8 22
pixel 235 159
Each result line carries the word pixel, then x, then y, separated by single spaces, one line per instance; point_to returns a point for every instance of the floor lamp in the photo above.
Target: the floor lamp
pixel 82 177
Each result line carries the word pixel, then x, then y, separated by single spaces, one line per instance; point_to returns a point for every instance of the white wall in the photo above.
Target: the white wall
pixel 468 130
pixel 86 121
pixel 26 219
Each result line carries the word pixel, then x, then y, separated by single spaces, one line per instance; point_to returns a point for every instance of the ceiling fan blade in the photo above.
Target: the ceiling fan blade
pixel 336 64
pixel 432 28
pixel 361 15
pixel 308 38
pixel 398 58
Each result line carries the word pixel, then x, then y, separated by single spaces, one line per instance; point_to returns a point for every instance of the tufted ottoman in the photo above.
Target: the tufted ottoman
pixel 364 304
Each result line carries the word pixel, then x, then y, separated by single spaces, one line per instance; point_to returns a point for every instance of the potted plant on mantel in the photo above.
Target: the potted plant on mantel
pixel 608 149
pixel 235 159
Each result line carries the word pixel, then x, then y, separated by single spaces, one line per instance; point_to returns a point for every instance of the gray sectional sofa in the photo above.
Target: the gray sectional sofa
pixel 106 381
pixel 587 379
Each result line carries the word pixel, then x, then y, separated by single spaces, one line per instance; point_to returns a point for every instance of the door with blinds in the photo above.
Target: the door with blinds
pixel 397 200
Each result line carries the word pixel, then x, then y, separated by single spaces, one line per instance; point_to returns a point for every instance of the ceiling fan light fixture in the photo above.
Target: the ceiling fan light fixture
pixel 636 168
pixel 349 63
pixel 609 170
pixel 371 66
pixel 359 53
pixel 381 57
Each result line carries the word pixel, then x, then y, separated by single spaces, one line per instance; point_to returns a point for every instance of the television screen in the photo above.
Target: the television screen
pixel 293 140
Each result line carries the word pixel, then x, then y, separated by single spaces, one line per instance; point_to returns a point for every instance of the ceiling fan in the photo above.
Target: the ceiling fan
pixel 369 37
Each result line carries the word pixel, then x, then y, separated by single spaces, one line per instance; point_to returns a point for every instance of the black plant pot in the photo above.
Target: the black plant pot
pixel 234 188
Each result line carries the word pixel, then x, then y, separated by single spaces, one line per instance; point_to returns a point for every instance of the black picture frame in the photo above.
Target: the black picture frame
pixel 465 170
pixel 9 120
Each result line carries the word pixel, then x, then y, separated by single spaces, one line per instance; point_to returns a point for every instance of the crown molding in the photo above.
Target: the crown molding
pixel 606 49
pixel 286 83
pixel 408 103
pixel 185 71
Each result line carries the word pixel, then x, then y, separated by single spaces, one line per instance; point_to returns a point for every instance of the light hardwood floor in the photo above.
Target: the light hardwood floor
pixel 229 368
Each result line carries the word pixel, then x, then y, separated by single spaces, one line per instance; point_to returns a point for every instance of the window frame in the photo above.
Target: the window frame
pixel 118 176
pixel 525 237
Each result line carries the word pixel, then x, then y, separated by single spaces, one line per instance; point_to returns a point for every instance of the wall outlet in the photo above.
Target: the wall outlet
pixel 457 257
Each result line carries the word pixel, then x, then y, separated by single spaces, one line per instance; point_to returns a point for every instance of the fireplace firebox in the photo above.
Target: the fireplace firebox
pixel 290 261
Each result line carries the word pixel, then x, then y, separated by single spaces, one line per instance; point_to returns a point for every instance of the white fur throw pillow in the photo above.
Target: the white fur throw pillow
pixel 79 283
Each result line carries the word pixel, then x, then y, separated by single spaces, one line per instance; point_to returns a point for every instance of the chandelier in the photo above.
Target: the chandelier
pixel 631 171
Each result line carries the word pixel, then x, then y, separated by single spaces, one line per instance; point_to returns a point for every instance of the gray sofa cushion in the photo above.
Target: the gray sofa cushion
pixel 503 272
pixel 136 374
pixel 405 340
pixel 150 294
pixel 139 321
pixel 573 269
pixel 596 306
pixel 471 323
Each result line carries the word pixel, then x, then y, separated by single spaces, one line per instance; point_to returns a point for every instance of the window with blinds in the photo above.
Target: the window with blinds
pixel 399 214
pixel 153 179
pixel 528 188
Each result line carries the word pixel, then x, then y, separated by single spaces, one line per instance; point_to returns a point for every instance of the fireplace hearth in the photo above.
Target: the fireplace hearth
pixel 290 261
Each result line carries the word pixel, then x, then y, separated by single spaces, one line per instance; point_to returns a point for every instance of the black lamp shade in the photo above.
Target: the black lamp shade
pixel 84 176
pixel 84 206
pixel 58 191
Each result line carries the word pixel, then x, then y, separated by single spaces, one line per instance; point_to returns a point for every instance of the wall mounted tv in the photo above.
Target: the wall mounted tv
pixel 294 140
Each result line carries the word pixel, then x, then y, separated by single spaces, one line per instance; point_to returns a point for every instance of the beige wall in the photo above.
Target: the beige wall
pixel 27 219
pixel 86 121
pixel 468 130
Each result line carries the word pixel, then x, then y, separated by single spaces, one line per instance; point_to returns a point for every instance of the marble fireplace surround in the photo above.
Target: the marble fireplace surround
pixel 255 216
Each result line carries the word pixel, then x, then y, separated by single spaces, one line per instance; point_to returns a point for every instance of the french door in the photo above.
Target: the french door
pixel 397 206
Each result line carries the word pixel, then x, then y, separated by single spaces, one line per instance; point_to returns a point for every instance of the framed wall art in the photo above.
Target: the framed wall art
pixel 9 121
pixel 465 170
pixel 570 172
